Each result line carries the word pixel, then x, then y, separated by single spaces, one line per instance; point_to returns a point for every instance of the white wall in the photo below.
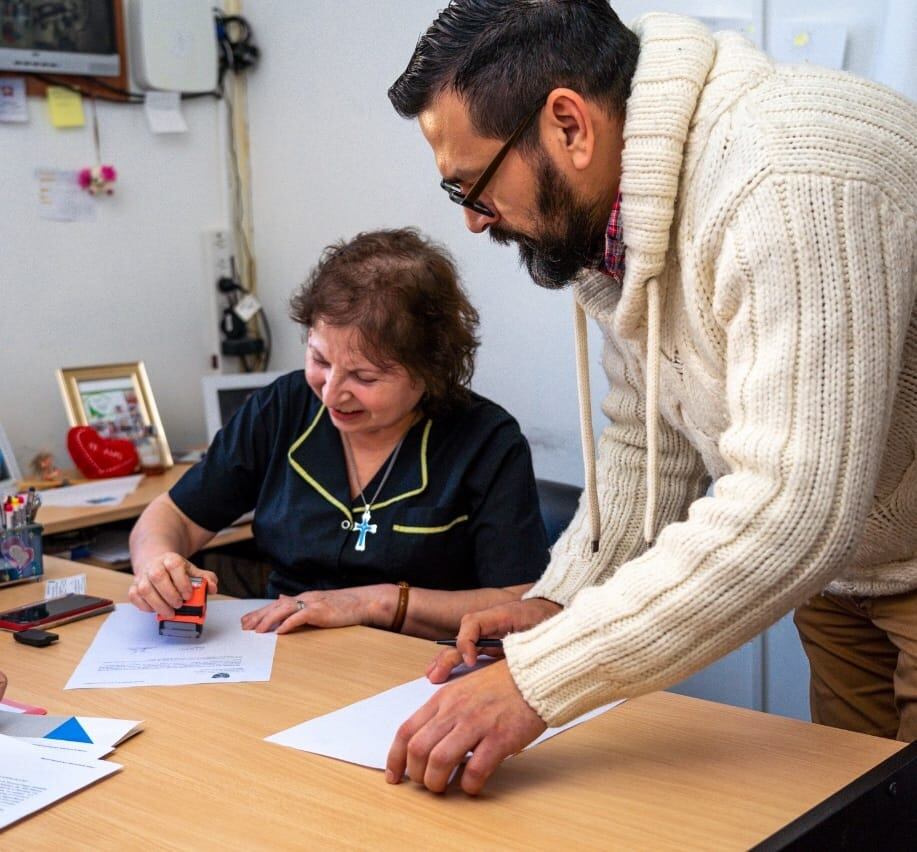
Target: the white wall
pixel 881 35
pixel 127 286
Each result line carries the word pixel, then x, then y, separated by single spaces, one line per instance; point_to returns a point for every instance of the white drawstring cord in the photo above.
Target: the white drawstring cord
pixel 652 408
pixel 585 416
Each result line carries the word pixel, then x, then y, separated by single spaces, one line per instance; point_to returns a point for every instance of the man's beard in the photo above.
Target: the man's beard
pixel 572 236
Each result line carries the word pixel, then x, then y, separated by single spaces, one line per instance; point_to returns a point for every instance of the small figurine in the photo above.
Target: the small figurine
pixel 44 469
pixel 98 179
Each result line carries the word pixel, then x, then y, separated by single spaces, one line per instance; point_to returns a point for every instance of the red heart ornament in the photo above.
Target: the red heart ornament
pixel 99 457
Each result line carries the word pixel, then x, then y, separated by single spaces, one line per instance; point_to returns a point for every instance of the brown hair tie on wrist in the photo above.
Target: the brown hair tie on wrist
pixel 404 591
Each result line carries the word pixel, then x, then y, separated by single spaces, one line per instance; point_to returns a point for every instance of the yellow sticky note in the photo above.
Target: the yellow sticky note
pixel 66 107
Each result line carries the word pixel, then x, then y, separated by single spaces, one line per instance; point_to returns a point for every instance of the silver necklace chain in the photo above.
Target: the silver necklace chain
pixel 391 463
pixel 364 527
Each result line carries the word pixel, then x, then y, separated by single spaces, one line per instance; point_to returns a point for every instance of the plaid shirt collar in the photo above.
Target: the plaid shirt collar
pixel 613 261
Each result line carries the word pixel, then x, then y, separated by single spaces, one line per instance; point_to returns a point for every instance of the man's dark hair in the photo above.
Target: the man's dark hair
pixel 402 294
pixel 503 56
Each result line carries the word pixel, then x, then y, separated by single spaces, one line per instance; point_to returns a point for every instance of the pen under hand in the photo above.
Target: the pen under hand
pixel 481 643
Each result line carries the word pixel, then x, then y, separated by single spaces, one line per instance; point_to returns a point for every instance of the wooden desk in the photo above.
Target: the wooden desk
pixel 662 771
pixel 58 519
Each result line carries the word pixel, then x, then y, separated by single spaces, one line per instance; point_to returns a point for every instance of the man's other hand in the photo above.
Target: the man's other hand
pixel 483 713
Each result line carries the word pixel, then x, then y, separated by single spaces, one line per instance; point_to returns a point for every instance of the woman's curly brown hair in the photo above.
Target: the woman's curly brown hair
pixel 402 293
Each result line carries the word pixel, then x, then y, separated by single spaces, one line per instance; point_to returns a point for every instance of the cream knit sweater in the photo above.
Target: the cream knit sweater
pixel 772 212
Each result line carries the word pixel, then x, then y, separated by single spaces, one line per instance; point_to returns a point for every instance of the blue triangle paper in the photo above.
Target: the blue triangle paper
pixel 71 730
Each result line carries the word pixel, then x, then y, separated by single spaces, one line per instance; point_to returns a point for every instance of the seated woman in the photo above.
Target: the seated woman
pixel 385 492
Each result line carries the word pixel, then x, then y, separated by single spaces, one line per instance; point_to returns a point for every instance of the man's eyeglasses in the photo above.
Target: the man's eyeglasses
pixel 470 199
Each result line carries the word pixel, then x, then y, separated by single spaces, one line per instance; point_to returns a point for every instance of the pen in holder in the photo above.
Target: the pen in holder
pixel 20 554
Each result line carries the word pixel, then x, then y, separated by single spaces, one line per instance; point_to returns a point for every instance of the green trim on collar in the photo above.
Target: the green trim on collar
pixel 337 503
pixel 302 472
pixel 429 530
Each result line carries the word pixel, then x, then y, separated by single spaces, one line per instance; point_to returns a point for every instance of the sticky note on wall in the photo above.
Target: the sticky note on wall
pixel 65 107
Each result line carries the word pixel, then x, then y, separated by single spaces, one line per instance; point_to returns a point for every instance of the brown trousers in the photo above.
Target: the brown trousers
pixel 863 658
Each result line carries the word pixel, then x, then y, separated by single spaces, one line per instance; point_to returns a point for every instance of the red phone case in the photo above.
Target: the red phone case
pixel 96 607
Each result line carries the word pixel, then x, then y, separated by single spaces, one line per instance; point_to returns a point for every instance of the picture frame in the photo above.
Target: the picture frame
pixel 9 470
pixel 115 399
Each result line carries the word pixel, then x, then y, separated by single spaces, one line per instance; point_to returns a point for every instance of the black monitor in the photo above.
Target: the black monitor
pixel 59 37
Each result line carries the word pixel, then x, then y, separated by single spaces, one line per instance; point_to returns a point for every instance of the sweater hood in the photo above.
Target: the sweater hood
pixel 676 55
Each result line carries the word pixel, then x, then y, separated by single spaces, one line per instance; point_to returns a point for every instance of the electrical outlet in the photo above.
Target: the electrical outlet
pixel 218 254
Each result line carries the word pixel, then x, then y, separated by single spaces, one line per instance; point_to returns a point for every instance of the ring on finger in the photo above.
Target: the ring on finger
pixel 300 606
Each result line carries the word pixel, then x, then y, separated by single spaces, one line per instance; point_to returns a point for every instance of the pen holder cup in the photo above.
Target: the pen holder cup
pixel 20 554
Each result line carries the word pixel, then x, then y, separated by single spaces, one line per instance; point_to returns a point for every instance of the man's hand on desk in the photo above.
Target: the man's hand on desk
pixel 482 712
pixel 492 623
pixel 330 608
pixel 162 585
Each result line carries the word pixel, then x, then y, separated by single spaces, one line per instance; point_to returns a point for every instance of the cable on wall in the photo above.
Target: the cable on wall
pixel 238 54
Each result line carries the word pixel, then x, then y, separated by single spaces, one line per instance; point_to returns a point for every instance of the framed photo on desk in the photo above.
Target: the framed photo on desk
pixel 9 470
pixel 115 399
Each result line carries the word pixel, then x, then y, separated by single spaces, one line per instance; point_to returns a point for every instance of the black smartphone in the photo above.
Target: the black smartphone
pixel 53 611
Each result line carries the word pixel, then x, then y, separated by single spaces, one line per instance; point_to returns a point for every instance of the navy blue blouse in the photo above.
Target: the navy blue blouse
pixel 459 509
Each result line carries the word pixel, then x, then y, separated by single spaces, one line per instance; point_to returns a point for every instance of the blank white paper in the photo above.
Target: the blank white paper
pixel 362 733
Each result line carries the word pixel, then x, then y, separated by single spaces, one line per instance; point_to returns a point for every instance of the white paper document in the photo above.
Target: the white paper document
pixel 362 733
pixel 128 651
pixel 32 778
pixel 13 102
pixel 57 588
pixel 62 199
pixel 101 492
pixel 163 112
pixel 60 748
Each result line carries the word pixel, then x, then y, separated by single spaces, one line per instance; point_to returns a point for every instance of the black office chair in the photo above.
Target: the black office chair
pixel 558 502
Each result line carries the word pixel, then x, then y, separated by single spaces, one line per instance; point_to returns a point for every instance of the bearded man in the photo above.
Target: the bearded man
pixel 745 236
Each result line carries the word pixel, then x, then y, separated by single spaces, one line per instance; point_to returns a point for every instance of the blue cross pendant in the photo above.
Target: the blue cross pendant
pixel 362 528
